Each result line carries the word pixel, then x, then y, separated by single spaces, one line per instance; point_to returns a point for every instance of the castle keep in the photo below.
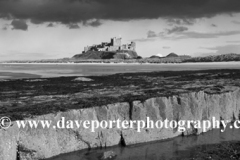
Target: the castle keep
pixel 114 45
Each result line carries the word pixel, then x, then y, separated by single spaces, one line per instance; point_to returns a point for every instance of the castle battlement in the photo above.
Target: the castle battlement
pixel 115 44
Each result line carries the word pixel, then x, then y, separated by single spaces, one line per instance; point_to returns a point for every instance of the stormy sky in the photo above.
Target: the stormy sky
pixel 42 29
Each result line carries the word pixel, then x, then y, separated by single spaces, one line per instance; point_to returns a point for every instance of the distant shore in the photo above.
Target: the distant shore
pixel 119 63
pixel 43 70
pixel 171 58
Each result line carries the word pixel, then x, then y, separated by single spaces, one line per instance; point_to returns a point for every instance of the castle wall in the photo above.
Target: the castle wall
pixel 114 45
pixel 113 48
pixel 117 42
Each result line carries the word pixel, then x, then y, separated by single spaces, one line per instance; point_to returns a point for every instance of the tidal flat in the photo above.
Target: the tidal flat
pixel 36 96
pixel 176 95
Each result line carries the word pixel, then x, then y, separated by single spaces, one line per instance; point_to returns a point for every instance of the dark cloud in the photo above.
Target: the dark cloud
pixel 151 34
pixel 5 15
pixel 93 23
pixel 236 22
pixel 35 21
pixel 19 24
pixel 50 25
pixel 181 21
pixel 177 29
pixel 73 26
pixel 74 11
pixel 213 25
pixel 4 28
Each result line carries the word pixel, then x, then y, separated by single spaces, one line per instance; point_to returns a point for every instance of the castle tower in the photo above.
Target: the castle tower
pixel 86 49
pixel 133 46
pixel 116 41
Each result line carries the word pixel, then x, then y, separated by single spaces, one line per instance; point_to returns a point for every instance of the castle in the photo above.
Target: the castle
pixel 114 45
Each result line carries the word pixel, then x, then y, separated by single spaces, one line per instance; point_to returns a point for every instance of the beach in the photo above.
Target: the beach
pixel 28 70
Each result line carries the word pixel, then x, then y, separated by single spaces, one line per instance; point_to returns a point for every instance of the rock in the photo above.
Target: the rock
pixel 82 79
pixel 45 143
pixel 108 155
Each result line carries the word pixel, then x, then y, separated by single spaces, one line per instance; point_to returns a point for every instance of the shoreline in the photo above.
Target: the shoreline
pixel 124 63
pixel 47 70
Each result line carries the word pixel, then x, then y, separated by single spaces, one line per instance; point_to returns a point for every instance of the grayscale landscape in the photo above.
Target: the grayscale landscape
pixel 127 60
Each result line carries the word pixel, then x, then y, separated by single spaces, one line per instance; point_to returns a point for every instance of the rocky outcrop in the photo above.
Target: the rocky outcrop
pixel 43 143
pixel 121 54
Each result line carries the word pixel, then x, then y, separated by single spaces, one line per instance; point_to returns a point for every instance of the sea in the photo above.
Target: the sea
pixel 37 70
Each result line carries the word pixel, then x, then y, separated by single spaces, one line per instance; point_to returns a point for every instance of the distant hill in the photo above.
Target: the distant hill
pixel 169 59
pixel 122 54
pixel 172 55
pixel 216 58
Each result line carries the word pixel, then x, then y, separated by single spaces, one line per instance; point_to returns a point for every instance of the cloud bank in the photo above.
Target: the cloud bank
pixel 74 11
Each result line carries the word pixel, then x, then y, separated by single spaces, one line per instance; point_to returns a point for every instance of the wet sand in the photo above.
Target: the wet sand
pixel 13 75
pixel 57 70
